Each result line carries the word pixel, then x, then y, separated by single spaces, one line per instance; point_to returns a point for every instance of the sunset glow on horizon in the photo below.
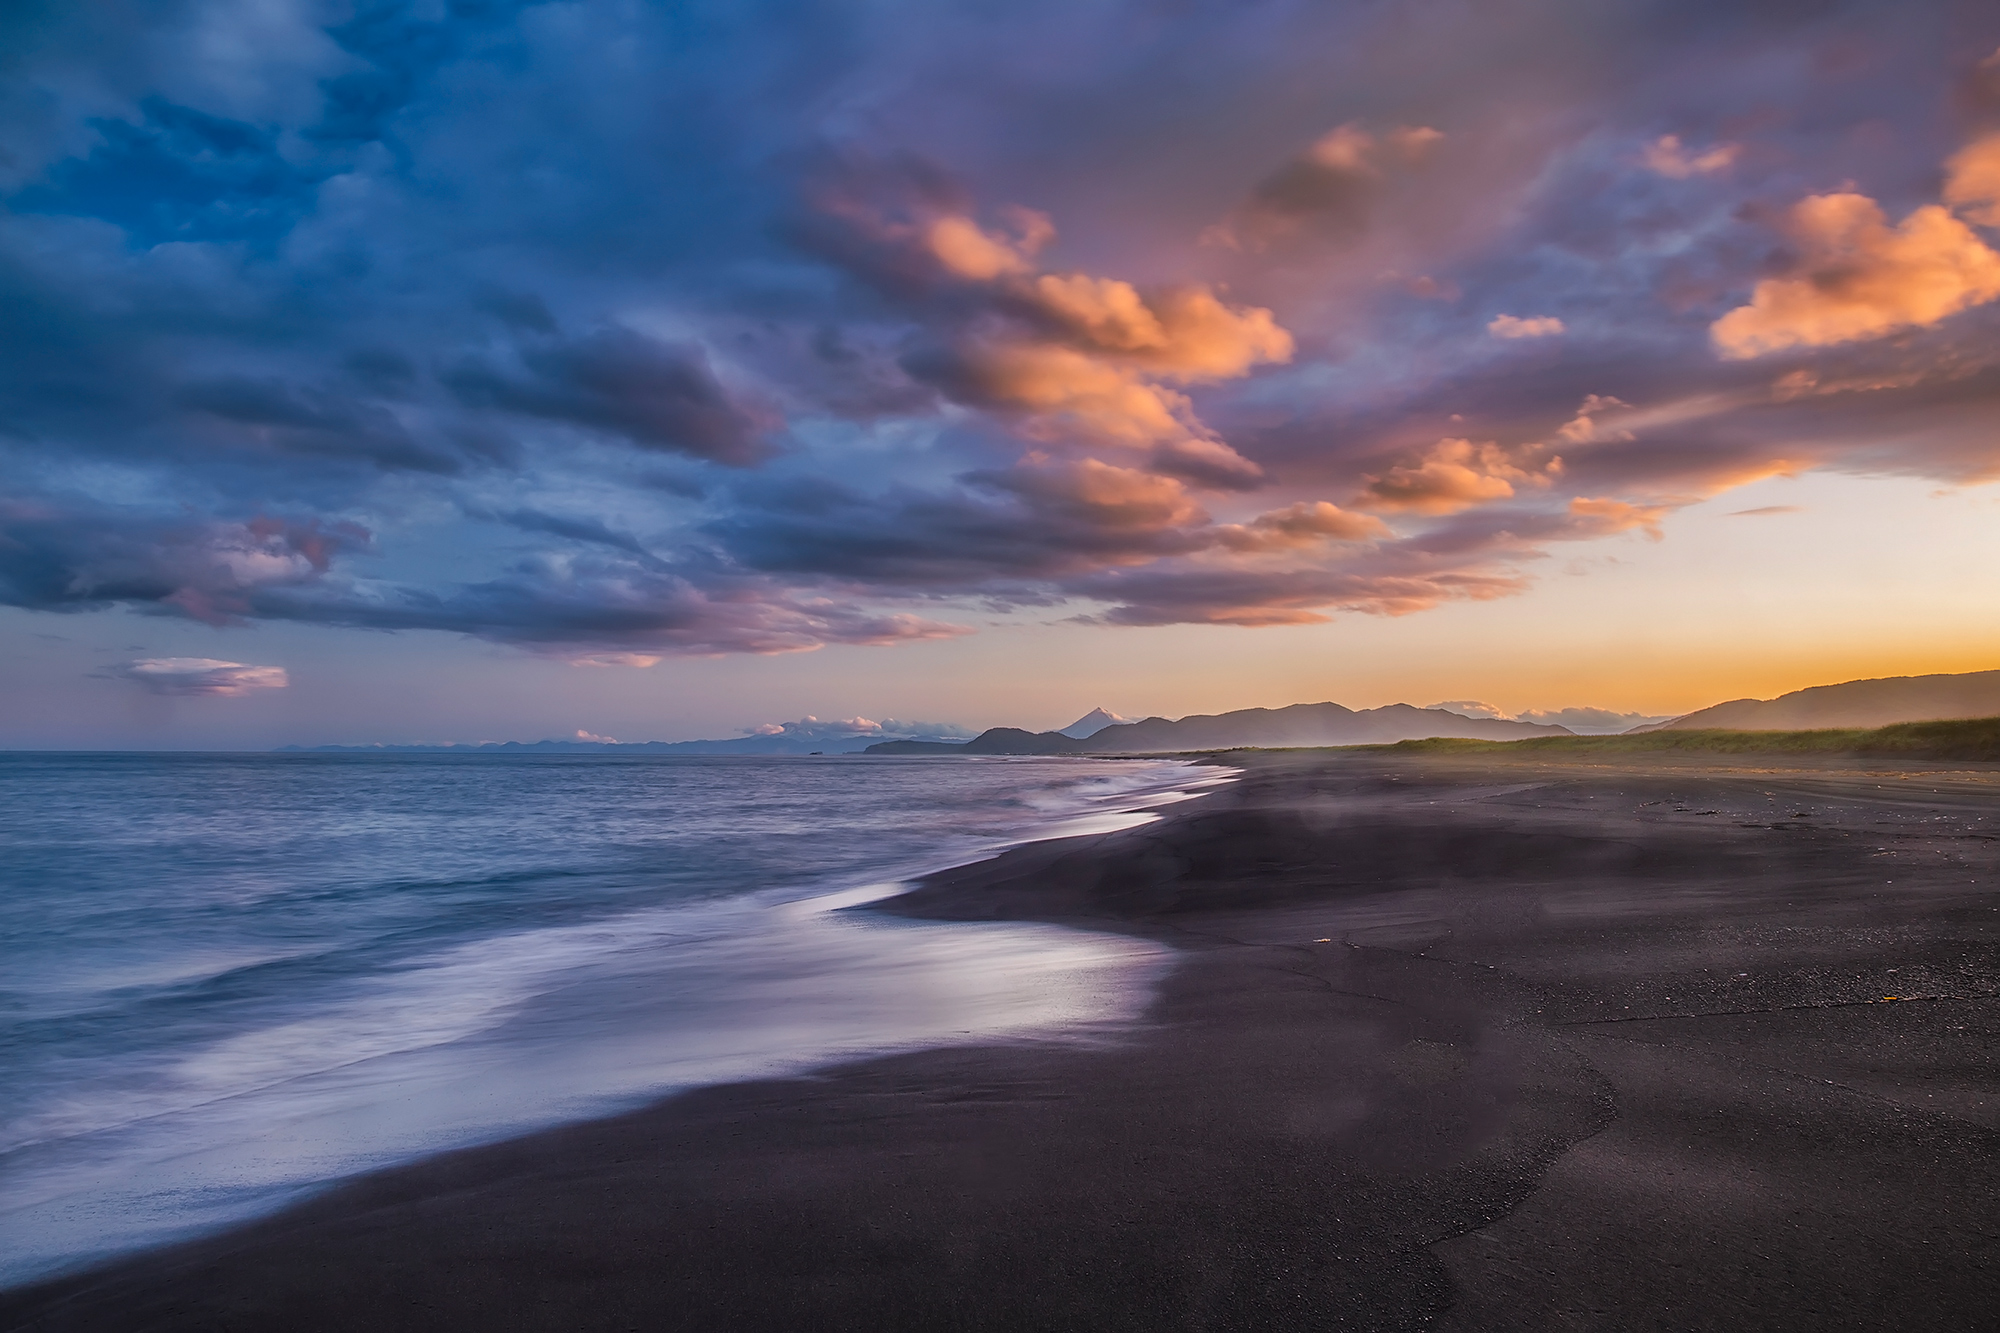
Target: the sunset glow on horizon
pixel 414 372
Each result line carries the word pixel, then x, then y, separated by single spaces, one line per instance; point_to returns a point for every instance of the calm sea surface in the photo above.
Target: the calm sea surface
pixel 230 979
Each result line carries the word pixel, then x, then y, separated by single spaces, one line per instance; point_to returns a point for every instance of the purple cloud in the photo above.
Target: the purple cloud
pixel 202 676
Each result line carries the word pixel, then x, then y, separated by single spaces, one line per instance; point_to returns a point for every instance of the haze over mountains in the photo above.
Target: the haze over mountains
pixel 1099 731
pixel 1269 728
pixel 1855 703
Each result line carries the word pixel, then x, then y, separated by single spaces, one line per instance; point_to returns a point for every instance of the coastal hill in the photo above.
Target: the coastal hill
pixel 1854 703
pixel 1261 728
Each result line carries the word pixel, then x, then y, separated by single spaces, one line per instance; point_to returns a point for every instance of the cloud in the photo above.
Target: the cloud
pixel 272 414
pixel 727 334
pixel 1590 721
pixel 1669 157
pixel 849 728
pixel 1587 428
pixel 1472 708
pixel 1603 517
pixel 1972 181
pixel 1583 721
pixel 1860 278
pixel 1184 334
pixel 1329 190
pixel 594 606
pixel 962 248
pixel 1305 524
pixel 1006 528
pixel 179 175
pixel 202 675
pixel 1533 326
pixel 587 530
pixel 655 394
pixel 1456 474
pixel 1284 596
pixel 605 609
pixel 58 556
pixel 1064 358
pixel 1763 511
pixel 1033 522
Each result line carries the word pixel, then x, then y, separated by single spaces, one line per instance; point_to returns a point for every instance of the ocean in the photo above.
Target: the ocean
pixel 231 979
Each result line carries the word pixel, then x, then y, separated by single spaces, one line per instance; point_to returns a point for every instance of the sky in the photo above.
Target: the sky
pixel 500 370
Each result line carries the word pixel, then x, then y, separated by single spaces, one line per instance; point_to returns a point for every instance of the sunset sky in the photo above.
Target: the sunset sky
pixel 488 370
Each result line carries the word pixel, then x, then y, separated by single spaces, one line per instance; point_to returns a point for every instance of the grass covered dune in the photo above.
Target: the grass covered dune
pixel 1972 739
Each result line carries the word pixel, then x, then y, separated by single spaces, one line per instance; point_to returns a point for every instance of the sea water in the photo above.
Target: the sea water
pixel 228 980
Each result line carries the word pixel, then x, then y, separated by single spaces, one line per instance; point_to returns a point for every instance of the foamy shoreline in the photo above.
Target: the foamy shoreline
pixel 81 1193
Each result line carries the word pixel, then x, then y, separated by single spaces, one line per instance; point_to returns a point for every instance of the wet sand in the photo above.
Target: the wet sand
pixel 1454 1044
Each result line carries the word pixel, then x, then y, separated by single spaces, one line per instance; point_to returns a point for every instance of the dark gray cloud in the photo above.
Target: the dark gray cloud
pixel 277 415
pixel 589 531
pixel 593 607
pixel 574 604
pixel 993 527
pixel 656 395
pixel 76 555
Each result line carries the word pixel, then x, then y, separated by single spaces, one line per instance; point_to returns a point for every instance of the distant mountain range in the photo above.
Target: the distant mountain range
pixel 1267 728
pixel 1854 703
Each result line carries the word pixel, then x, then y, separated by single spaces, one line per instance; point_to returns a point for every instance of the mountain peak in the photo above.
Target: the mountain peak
pixel 1096 720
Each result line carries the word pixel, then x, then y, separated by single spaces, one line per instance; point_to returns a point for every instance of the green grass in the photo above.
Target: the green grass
pixel 1970 739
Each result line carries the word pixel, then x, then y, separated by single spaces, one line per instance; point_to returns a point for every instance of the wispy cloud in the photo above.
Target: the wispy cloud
pixel 1518 326
pixel 1670 157
pixel 202 676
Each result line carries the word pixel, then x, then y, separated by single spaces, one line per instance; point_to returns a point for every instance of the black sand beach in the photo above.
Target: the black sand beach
pixel 1457 1043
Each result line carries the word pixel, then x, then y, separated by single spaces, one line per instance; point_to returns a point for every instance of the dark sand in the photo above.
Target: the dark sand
pixel 1455 1044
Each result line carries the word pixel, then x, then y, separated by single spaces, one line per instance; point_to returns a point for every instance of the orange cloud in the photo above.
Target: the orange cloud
pixel 1067 355
pixel 1603 517
pixel 1585 428
pixel 1454 475
pixel 1861 278
pixel 1124 499
pixel 963 248
pixel 1669 157
pixel 1537 326
pixel 1307 523
pixel 1181 333
pixel 1072 391
pixel 1095 358
pixel 1972 181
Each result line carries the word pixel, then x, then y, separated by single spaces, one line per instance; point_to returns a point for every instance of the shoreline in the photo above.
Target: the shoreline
pixel 73 1203
pixel 1451 1044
